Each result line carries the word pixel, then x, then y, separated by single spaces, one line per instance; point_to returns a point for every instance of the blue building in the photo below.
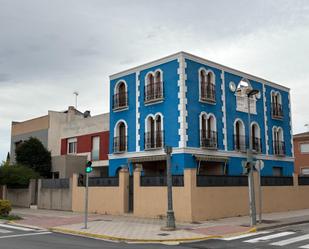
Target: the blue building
pixel 200 108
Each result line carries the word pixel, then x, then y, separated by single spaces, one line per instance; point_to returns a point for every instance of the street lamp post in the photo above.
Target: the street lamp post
pixel 170 222
pixel 250 93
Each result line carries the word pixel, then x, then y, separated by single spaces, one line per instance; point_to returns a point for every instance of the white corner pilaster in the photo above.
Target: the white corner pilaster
pixel 224 129
pixel 265 120
pixel 291 125
pixel 182 106
pixel 137 112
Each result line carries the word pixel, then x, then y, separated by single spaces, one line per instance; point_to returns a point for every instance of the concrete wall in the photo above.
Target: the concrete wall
pixel 55 198
pixel 68 165
pixel 104 200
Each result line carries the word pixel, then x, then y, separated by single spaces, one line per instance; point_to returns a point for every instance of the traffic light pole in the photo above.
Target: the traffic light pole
pixel 86 201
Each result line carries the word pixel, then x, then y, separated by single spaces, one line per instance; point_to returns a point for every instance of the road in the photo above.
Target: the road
pixel 13 237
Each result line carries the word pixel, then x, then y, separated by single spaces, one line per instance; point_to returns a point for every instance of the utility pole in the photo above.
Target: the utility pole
pixel 88 170
pixel 170 222
pixel 250 161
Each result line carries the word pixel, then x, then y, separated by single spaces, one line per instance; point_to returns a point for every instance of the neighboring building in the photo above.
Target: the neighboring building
pixel 193 105
pixel 57 129
pixel 301 152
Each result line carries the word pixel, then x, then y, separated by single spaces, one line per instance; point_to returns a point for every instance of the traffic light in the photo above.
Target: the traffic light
pixel 88 168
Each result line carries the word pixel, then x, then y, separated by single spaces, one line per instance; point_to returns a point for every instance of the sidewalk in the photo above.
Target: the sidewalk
pixel 133 229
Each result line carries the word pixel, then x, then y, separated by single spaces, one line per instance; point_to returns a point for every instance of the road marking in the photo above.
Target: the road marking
pixel 244 235
pixel 291 240
pixel 16 227
pixel 5 231
pixel 268 237
pixel 305 246
pixel 23 235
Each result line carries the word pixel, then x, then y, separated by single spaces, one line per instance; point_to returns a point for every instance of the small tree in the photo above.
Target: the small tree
pixel 16 175
pixel 34 155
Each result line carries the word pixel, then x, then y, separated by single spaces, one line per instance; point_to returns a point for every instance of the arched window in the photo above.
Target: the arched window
pixel 154 86
pixel 120 137
pixel 276 105
pixel 154 132
pixel 207 86
pixel 120 98
pixel 208 131
pixel 239 136
pixel 278 141
pixel 255 138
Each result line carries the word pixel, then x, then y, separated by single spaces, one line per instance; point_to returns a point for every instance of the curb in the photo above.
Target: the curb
pixel 282 225
pixel 25 225
pixel 123 239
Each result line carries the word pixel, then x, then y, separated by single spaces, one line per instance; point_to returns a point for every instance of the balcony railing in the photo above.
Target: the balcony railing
pixel 256 145
pixel 154 140
pixel 154 92
pixel 276 111
pixel 120 100
pixel 120 144
pixel 240 143
pixel 279 148
pixel 208 139
pixel 208 92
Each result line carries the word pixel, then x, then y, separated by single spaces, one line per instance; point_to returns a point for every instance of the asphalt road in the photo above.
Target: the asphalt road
pixel 17 238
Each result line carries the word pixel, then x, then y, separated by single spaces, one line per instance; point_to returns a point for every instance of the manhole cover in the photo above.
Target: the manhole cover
pixel 163 234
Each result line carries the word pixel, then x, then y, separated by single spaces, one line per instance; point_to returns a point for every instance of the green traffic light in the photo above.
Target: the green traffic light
pixel 88 169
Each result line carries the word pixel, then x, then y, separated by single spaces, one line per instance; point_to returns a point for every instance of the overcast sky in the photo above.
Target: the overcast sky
pixel 49 48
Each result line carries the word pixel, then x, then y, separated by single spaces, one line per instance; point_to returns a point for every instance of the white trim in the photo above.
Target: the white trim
pixel 197 151
pixel 100 163
pixel 224 128
pixel 265 121
pixel 243 125
pixel 207 71
pixel 182 106
pixel 258 129
pixel 200 60
pixel 137 106
pixel 117 85
pixel 146 121
pixel 116 126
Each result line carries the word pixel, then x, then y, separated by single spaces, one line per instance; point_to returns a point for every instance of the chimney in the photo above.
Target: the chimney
pixel 87 114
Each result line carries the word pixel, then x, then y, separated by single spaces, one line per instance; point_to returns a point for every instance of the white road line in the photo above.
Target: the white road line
pixel 291 240
pixel 244 235
pixel 5 231
pixel 304 247
pixel 268 237
pixel 23 235
pixel 16 227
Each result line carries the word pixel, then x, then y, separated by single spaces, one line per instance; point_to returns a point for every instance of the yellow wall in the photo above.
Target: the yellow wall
pixel 31 125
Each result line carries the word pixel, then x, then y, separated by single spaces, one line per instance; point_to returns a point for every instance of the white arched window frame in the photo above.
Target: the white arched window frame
pixel 154 137
pixel 239 137
pixel 208 130
pixel 278 141
pixel 276 104
pixel 255 139
pixel 242 97
pixel 120 143
pixel 207 89
pixel 154 86
pixel 120 99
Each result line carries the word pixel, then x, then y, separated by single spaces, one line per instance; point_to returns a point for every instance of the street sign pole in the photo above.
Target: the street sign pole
pixel 86 201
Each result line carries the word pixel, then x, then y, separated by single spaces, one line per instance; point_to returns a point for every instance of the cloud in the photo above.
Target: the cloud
pixel 48 49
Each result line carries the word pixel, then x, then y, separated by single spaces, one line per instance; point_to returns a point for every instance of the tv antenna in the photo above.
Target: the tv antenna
pixel 76 95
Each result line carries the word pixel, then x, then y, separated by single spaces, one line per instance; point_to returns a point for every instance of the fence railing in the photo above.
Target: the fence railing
pixel 55 183
pixel 256 145
pixel 276 110
pixel 221 181
pixel 240 143
pixel 276 181
pixel 155 181
pixel 120 100
pixel 208 139
pixel 279 147
pixel 208 92
pixel 154 140
pixel 154 91
pixel 120 144
pixel 303 180
pixel 98 181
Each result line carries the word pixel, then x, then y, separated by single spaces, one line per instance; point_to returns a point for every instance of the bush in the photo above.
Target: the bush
pixel 15 176
pixel 5 207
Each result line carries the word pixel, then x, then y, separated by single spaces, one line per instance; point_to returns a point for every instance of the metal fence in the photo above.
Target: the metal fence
pixel 276 181
pixel 56 183
pixel 156 181
pixel 303 180
pixel 221 181
pixel 99 181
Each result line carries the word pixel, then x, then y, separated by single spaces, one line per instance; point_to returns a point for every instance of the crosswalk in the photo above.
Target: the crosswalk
pixel 12 231
pixel 276 239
